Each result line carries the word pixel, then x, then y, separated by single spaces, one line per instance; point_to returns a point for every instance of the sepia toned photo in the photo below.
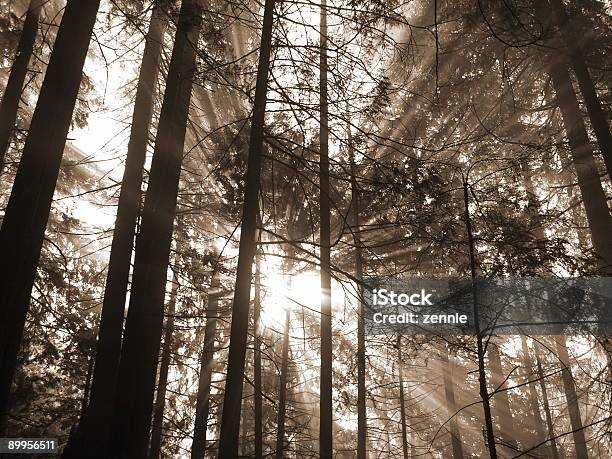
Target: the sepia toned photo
pixel 349 229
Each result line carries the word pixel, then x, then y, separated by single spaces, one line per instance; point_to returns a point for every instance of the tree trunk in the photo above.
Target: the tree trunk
pixel 585 82
pixel 230 421
pixel 282 396
pixel 572 400
pixel 16 79
pixel 538 423
pixel 140 350
pixel 549 421
pixel 501 399
pixel 593 196
pixel 198 447
pixel 258 402
pixel 325 417
pixel 451 404
pixel 480 351
pixel 362 427
pixel 96 424
pixel 162 382
pixel 25 219
pixel 86 390
pixel 402 399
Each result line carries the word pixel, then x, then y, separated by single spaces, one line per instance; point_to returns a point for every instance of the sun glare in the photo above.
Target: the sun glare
pixel 286 292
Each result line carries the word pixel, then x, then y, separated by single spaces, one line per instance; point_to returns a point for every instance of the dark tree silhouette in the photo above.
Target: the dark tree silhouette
pixel 198 446
pixel 19 70
pixel 94 427
pixel 325 412
pixel 230 421
pixel 140 350
pixel 25 219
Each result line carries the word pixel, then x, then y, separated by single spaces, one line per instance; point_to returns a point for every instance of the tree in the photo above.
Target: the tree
pixel 593 196
pixel 449 392
pixel 282 395
pixel 164 365
pixel 230 422
pixel 25 219
pixel 587 88
pixel 501 398
pixel 258 394
pixel 402 399
pixel 362 426
pixel 572 400
pixel 529 373
pixel 19 69
pixel 198 446
pixel 325 414
pixel 140 350
pixel 94 427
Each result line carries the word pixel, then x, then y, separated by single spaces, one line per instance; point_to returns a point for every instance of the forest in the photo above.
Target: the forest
pixel 194 194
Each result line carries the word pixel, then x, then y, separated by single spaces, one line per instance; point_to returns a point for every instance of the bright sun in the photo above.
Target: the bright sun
pixel 282 292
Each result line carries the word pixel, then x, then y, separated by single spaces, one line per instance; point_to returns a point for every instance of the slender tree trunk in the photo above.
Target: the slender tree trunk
pixel 538 423
pixel 258 402
pixel 140 350
pixel 325 415
pixel 198 447
pixel 230 421
pixel 501 399
pixel 451 404
pixel 572 400
pixel 402 399
pixel 19 70
pixel 86 390
pixel 282 396
pixel 585 82
pixel 549 421
pixel 162 381
pixel 362 427
pixel 95 426
pixel 25 219
pixel 482 376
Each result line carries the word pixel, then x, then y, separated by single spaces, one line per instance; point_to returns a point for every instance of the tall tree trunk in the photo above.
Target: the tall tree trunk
pixel 140 350
pixel 480 351
pixel 95 425
pixel 258 394
pixel 86 390
pixel 19 70
pixel 585 82
pixel 572 400
pixel 325 415
pixel 528 372
pixel 451 404
pixel 593 196
pixel 362 427
pixel 162 381
pixel 402 398
pixel 282 396
pixel 549 421
pixel 501 399
pixel 25 219
pixel 230 421
pixel 198 447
